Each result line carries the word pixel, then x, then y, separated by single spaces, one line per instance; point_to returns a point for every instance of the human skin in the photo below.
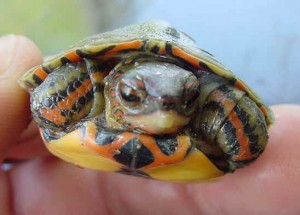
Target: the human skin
pixel 43 184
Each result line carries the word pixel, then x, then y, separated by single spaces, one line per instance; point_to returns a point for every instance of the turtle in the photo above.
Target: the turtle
pixel 145 100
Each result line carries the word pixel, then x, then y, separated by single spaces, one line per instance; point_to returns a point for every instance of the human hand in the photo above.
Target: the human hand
pixel 45 185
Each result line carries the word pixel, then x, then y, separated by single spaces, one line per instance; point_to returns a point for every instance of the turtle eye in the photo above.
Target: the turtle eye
pixel 131 96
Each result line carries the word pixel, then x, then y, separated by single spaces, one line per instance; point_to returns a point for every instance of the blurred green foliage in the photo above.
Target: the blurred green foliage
pixel 52 24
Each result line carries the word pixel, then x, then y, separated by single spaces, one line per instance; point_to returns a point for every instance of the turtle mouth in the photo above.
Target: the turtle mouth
pixel 159 122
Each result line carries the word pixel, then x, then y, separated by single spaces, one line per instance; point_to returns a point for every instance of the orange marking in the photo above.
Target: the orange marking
pixel 241 85
pixel 162 51
pixel 117 75
pixel 268 115
pixel 220 97
pixel 140 84
pixel 53 115
pixel 99 76
pixel 112 93
pixel 115 103
pixel 187 57
pixel 118 113
pixel 40 73
pixel 244 151
pixel 124 46
pixel 264 110
pixel 162 159
pixel 108 150
pixel 68 102
pixel 73 56
pixel 148 141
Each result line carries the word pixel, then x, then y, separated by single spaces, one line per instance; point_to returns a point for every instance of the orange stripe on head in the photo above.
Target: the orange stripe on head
pixel 117 75
pixel 73 56
pixel 118 113
pixel 187 57
pixel 112 93
pixel 115 103
pixel 242 138
pixel 137 44
pixel 40 73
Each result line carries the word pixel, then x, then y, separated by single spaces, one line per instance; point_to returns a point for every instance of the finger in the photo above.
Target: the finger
pixel 18 55
pixel 269 186
pixel 28 146
pixel 5 208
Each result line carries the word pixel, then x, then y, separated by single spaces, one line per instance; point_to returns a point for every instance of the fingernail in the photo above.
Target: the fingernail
pixel 7 50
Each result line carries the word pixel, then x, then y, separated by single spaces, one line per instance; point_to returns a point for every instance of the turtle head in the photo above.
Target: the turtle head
pixel 151 97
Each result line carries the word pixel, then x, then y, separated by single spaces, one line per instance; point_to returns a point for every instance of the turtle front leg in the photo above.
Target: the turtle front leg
pixel 64 99
pixel 230 120
pixel 72 92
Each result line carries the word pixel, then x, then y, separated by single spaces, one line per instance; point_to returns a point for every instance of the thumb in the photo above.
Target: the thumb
pixel 17 55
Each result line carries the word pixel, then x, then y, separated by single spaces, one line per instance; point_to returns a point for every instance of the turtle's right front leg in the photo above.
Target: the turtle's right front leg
pixel 64 99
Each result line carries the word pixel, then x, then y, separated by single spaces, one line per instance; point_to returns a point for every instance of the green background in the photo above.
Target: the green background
pixel 50 24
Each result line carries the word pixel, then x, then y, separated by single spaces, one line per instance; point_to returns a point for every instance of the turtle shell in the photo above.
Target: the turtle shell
pixel 157 40
pixel 154 37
